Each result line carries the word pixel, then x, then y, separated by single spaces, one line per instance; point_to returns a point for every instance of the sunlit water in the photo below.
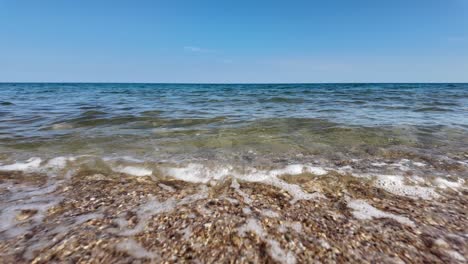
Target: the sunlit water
pixel 217 130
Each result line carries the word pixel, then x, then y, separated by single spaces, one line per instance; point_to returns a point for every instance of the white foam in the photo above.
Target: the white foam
pixel 455 255
pixel 296 226
pixel 294 190
pixel 187 232
pixel 365 211
pixel 134 171
pixel 443 183
pixel 270 213
pixel 145 212
pixel 124 158
pixel 324 244
pixel 135 250
pixel 246 210
pixel 419 164
pixel 75 221
pixel 198 173
pixel 58 163
pixel 29 165
pixel 10 224
pixel 166 187
pixel 27 194
pixel 395 184
pixel 236 186
pixel 276 252
pixel 271 179
pixel 280 254
pixel 39 199
pixel 253 226
pixel 154 207
pixel 344 170
pixel 379 164
pixel 402 165
pixel 296 169
pixel 59 232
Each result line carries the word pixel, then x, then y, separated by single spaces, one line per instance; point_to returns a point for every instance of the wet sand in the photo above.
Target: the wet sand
pixel 117 218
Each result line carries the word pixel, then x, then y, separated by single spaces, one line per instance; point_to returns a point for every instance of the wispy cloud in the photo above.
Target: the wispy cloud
pixel 198 49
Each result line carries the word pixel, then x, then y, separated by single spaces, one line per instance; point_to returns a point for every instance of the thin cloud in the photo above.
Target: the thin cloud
pixel 198 49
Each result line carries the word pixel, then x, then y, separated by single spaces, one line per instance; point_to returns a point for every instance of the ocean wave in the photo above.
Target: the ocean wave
pixel 147 120
pixel 433 109
pixel 287 100
pixel 397 184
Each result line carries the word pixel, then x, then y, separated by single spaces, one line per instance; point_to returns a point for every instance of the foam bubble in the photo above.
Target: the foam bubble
pixel 124 158
pixel 58 233
pixel 135 250
pixel 455 255
pixel 296 169
pixel 58 163
pixel 134 171
pixel 379 164
pixel 395 184
pixel 145 212
pixel 198 173
pixel 154 207
pixel 187 232
pixel 280 254
pixel 276 252
pixel 270 213
pixel 29 165
pixel 38 200
pixel 443 183
pixel 419 164
pixel 253 226
pixel 296 226
pixel 166 187
pixel 236 186
pixel 202 174
pixel 364 211
pixel 295 190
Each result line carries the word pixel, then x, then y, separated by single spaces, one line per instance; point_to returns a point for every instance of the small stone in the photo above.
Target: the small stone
pixel 25 214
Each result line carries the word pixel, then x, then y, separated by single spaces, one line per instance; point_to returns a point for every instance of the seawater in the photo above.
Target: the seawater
pixel 199 132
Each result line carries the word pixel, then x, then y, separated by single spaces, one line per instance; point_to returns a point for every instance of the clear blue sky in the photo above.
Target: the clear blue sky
pixel 234 41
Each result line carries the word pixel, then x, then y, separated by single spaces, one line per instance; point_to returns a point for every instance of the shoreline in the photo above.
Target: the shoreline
pixel 120 218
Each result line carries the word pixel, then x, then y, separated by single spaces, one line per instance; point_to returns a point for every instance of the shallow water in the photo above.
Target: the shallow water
pixel 239 126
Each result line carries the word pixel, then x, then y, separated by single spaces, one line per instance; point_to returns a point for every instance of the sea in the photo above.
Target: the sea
pixel 204 132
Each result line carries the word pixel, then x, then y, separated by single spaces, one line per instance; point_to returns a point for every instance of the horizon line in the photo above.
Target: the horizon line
pixel 223 83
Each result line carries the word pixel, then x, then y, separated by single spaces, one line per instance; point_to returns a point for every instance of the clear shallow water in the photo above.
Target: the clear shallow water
pixel 235 125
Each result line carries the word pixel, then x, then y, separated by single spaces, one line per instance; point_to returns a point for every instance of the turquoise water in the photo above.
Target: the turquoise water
pixel 254 125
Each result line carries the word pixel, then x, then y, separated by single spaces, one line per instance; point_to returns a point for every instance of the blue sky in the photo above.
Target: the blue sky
pixel 234 41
